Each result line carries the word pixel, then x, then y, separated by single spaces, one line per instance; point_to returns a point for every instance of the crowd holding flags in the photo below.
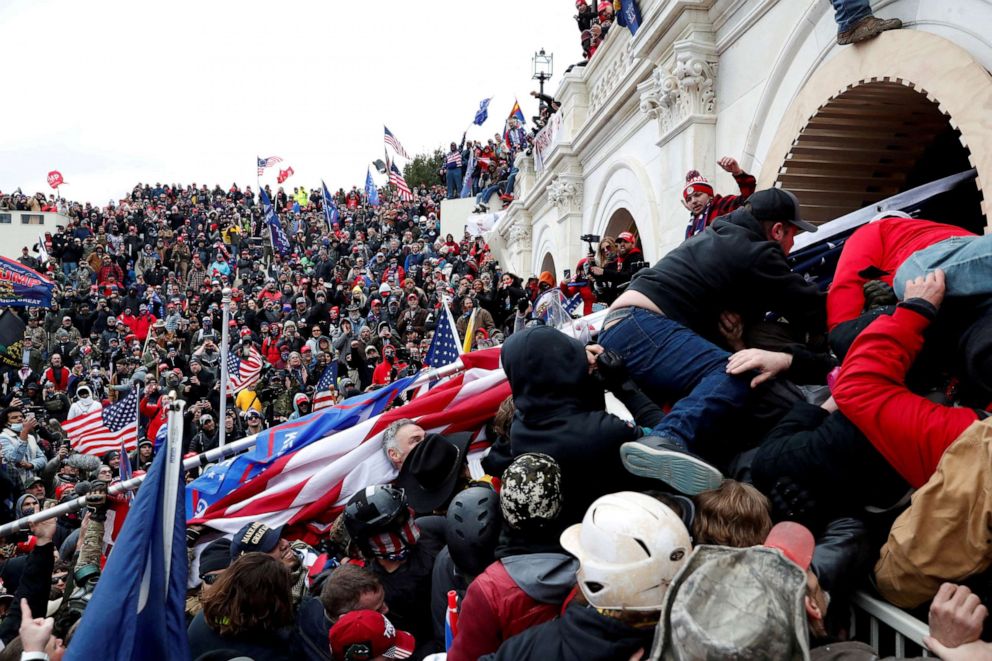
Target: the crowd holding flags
pixel 99 432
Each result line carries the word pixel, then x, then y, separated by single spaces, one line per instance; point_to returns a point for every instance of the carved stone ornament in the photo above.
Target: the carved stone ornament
pixel 686 88
pixel 564 192
pixel 520 232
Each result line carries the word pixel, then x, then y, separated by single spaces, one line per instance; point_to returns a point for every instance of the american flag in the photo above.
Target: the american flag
pixel 308 488
pixel 396 179
pixel 266 163
pixel 394 143
pixel 323 396
pixel 445 347
pixel 243 372
pixel 99 432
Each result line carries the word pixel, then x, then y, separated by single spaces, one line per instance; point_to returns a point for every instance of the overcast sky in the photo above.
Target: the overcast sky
pixel 113 92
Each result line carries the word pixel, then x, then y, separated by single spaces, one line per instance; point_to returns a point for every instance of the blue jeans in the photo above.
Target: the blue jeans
pixel 965 260
pixel 849 12
pixel 511 180
pixel 453 179
pixel 69 267
pixel 668 361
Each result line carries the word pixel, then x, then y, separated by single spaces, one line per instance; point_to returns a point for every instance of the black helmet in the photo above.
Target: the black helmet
pixel 374 510
pixel 473 527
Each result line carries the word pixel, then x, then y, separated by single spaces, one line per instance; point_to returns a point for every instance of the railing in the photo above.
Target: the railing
pixel 889 630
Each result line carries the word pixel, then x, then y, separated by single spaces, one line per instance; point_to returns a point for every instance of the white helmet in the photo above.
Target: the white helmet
pixel 629 547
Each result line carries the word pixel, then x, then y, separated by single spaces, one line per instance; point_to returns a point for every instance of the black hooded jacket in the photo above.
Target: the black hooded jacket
pixel 581 633
pixel 730 266
pixel 561 411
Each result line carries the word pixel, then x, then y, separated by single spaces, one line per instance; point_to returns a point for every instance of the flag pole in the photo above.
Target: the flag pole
pixel 202 459
pixel 225 349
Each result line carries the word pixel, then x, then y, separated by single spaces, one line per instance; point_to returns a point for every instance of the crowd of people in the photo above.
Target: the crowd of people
pixel 781 446
pixel 770 457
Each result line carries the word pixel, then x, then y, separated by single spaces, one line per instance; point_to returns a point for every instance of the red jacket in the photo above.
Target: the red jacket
pixel 909 430
pixel 156 415
pixel 139 325
pixel 494 609
pixel 884 245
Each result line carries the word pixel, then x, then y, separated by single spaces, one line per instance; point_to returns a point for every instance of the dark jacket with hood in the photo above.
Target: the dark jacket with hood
pixel 730 266
pixel 580 633
pixel 561 411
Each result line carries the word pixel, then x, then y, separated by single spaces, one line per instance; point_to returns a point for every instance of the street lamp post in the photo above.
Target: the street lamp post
pixel 543 67
pixel 225 344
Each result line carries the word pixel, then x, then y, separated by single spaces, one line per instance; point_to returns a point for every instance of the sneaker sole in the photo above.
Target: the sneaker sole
pixel 683 471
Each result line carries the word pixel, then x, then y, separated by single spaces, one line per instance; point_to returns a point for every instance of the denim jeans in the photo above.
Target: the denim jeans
pixel 511 180
pixel 669 361
pixel 68 268
pixel 487 192
pixel 849 12
pixel 453 179
pixel 965 260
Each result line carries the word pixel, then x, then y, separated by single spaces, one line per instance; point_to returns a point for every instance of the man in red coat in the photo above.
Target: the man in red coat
pixel 704 207
pixel 909 430
pixel 875 252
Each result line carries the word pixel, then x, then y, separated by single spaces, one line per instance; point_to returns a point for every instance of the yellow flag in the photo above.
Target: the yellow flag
pixel 469 332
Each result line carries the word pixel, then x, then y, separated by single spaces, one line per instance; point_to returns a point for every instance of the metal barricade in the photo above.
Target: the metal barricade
pixel 889 630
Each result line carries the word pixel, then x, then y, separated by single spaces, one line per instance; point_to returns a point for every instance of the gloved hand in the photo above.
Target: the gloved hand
pixel 96 500
pixel 193 534
pixel 611 370
pixel 878 294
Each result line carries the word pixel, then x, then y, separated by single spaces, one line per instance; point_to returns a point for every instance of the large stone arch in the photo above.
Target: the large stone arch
pixel 947 74
pixel 548 264
pixel 625 186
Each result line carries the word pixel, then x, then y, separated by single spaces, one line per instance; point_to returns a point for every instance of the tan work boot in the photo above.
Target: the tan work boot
pixel 867 28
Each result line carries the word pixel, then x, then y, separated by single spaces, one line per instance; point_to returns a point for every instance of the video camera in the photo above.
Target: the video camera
pixel 590 239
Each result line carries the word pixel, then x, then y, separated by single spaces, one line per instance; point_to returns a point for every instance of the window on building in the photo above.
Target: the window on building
pixel 32 219
pixel 4 219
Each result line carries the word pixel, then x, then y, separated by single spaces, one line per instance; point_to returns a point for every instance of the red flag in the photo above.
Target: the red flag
pixel 55 179
pixel 285 174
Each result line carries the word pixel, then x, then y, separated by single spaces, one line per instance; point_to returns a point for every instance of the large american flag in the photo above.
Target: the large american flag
pixel 394 143
pixel 266 163
pixel 323 397
pixel 99 432
pixel 445 347
pixel 308 488
pixel 243 372
pixel 396 179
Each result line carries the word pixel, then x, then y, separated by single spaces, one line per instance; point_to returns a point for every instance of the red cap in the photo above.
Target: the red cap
pixel 626 236
pixel 795 542
pixel 372 630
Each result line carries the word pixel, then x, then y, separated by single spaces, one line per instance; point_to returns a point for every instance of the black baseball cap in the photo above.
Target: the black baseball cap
pixel 780 205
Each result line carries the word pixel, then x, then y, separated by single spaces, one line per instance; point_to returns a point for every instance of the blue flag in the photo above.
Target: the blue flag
pixel 218 480
pixel 331 214
pixel 629 15
pixel 482 114
pixel 23 287
pixel 371 191
pixel 138 608
pixel 279 241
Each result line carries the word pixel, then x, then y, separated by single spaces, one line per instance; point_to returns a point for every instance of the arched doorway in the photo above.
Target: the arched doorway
pixel 548 264
pixel 622 221
pixel 871 141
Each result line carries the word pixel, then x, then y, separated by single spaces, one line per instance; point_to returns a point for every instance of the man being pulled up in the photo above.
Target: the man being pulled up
pixel 660 324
